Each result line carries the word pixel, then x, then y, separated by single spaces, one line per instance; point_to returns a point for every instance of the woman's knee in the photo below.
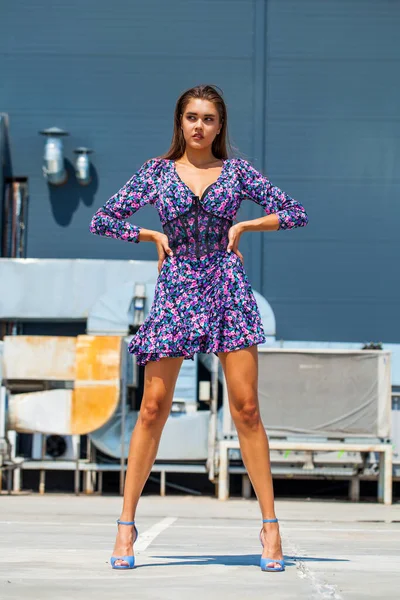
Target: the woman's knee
pixel 154 410
pixel 246 413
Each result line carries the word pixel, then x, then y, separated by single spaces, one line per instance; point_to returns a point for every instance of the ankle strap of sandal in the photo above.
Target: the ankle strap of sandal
pixel 270 520
pixel 125 522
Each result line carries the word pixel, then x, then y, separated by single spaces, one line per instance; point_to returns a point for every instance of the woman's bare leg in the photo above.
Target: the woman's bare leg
pixel 241 374
pixel 159 384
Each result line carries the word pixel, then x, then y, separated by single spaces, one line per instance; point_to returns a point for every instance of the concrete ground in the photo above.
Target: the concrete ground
pixel 58 547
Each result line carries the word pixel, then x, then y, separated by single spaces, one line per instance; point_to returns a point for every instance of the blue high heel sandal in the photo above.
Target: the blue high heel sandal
pixel 265 561
pixel 129 559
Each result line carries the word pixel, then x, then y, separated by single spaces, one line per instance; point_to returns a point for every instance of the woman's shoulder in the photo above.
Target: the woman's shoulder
pixel 156 162
pixel 241 165
pixel 152 167
pixel 240 162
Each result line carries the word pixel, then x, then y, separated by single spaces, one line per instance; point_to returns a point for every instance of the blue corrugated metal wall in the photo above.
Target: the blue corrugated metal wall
pixel 333 141
pixel 313 102
pixel 110 74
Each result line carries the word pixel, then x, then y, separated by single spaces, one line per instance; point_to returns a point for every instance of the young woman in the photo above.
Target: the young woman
pixel 203 299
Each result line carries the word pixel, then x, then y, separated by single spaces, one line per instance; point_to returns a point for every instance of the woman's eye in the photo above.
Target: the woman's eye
pixel 190 117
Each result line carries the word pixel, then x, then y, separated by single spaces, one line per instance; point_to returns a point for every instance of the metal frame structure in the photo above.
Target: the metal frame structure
pixel 230 441
pixel 218 463
pixel 90 468
pixel 385 451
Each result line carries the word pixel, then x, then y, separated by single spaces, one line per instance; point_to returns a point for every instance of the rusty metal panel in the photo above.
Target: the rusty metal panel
pixel 98 357
pixel 97 386
pixel 93 361
pixel 92 407
pixel 39 357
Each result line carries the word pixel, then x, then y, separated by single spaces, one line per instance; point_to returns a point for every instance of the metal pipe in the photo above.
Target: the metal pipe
pixel 162 483
pixel 77 446
pixel 123 414
pixel 15 211
pixel 42 477
pixel 212 428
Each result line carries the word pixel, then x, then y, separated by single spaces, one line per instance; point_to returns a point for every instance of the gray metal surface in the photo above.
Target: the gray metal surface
pixel 184 436
pixel 332 393
pixel 69 289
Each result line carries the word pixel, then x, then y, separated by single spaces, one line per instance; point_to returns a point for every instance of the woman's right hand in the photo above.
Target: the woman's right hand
pixel 163 249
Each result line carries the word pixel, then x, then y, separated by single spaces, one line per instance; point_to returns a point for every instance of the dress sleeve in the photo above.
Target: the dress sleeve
pixel 273 200
pixel 141 189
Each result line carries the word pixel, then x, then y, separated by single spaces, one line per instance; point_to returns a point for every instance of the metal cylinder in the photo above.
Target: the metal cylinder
pixel 53 159
pixel 82 165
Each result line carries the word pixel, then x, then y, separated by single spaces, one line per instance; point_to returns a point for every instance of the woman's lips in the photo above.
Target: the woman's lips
pixel 198 137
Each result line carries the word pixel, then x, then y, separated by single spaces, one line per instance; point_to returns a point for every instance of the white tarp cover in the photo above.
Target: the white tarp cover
pixel 329 393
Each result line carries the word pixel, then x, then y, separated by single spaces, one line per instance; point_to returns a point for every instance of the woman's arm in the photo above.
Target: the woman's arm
pixel 141 189
pixel 287 212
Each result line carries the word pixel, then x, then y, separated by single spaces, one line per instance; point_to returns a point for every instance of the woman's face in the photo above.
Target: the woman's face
pixel 200 123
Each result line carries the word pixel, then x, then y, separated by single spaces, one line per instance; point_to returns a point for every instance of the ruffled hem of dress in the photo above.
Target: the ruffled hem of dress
pixel 142 358
pixel 173 337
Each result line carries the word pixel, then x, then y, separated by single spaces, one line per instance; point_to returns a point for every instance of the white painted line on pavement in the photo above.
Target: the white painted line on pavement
pixel 145 539
pixel 192 526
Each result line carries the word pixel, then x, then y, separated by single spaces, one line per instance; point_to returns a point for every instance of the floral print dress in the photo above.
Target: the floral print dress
pixel 203 300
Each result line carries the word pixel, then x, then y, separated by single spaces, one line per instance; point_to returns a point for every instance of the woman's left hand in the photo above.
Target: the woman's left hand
pixel 234 234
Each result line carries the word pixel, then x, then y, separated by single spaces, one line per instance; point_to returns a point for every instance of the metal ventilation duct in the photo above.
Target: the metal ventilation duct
pixel 100 291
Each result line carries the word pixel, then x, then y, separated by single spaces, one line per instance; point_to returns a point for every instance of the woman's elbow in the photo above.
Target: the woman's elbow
pixel 290 219
pixel 95 225
pixel 303 218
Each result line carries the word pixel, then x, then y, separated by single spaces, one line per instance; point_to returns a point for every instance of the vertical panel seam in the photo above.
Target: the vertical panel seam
pixel 259 104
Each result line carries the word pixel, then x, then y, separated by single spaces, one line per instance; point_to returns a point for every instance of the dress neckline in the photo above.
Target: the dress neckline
pixel 225 160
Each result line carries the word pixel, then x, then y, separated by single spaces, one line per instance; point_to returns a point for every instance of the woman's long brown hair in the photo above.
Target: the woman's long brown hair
pixel 221 142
